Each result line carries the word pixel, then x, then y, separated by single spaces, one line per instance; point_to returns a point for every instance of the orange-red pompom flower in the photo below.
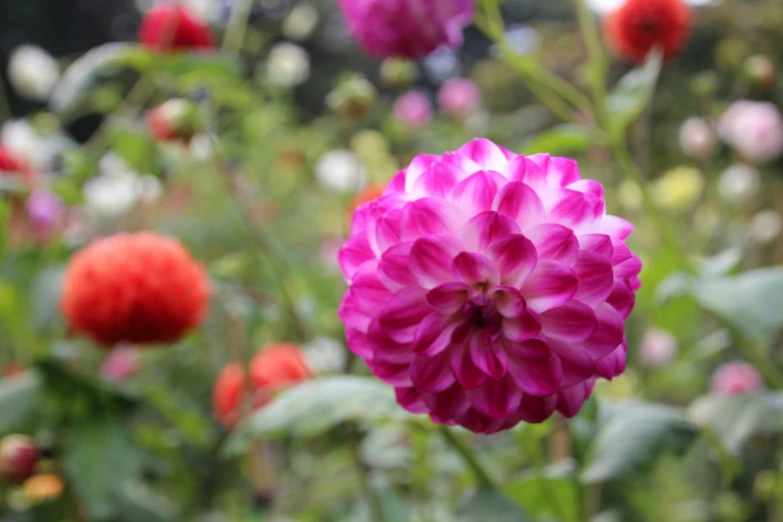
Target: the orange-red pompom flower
pixel 139 288
pixel 640 26
pixel 275 367
pixel 172 27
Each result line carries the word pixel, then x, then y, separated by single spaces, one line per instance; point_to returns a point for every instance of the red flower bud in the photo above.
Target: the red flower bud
pixel 18 458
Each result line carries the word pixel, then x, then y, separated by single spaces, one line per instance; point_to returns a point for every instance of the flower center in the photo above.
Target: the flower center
pixel 483 314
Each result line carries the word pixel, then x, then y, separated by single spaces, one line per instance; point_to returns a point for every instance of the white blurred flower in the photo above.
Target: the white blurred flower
pixel 325 355
pixel 201 147
pixel 300 23
pixel 117 189
pixel 697 138
pixel 739 183
pixel 20 139
pixel 341 170
pixel 754 129
pixel 288 65
pixel 33 72
pixel 607 6
pixel 766 225
pixel 149 188
pixel 657 348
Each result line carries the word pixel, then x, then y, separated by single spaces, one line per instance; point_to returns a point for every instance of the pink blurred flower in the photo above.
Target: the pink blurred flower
pixel 45 210
pixel 121 364
pixel 406 28
pixel 413 110
pixel 753 129
pixel 489 288
pixel 737 378
pixel 697 138
pixel 657 348
pixel 459 97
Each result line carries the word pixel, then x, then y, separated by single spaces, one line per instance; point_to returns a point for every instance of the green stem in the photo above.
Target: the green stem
pixel 536 455
pixel 482 476
pixel 596 59
pixel 237 25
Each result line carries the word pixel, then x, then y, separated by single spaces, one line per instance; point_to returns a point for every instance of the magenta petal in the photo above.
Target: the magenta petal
pixel 628 268
pixel 516 258
pixel 476 193
pixel 600 244
pixel 462 333
pixel 488 357
pixel 554 242
pixel 448 404
pixel 449 297
pixel 437 181
pixel 536 409
pixel 432 374
pixel 496 398
pixel 570 400
pixel 397 184
pixel 615 227
pixel 395 374
pixel 485 228
pixel 508 301
pixel 521 328
pixel 394 268
pixel 411 399
pixel 587 186
pixel 482 151
pixel 466 372
pixel 433 334
pixel 523 169
pixel 528 349
pixel 622 299
pixel 475 269
pixel 403 313
pixel 520 203
pixel 550 285
pixel 613 365
pixel 576 362
pixel 608 335
pixel 537 376
pixel 386 232
pixel 430 260
pixel 429 216
pixel 355 252
pixel 571 208
pixel 419 165
pixel 596 278
pixel 572 322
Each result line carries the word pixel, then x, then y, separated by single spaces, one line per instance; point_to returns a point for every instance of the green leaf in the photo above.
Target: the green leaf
pixel 201 66
pixel 488 504
pixel 633 93
pixel 312 408
pixel 561 140
pixel 136 147
pixel 751 302
pixel 736 418
pixel 18 396
pixel 45 298
pixel 138 502
pixel 534 493
pixel 632 434
pixel 100 459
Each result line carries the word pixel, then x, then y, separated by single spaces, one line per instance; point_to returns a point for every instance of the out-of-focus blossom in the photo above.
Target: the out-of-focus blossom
pixel 639 26
pixel 657 348
pixel 21 140
pixel 121 364
pixel 45 210
pixel 759 71
pixel 325 355
pixel 678 189
pixel 413 110
pixel 766 226
pixel 341 171
pixel 489 288
pixel 697 138
pixel 406 28
pixel 369 193
pixel 139 288
pixel 33 72
pixel 753 129
pixel 175 120
pixel 459 97
pixel 354 97
pixel 18 458
pixel 41 488
pixel 300 22
pixel 737 378
pixel 173 27
pixel 399 73
pixel 11 164
pixel 287 65
pixel 117 189
pixel 739 183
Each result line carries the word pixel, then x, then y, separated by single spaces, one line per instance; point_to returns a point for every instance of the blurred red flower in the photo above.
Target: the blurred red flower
pixel 274 367
pixel 11 164
pixel 140 288
pixel 171 27
pixel 640 26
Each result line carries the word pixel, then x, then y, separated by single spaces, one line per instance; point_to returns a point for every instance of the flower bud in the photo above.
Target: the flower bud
pixel 459 97
pixel 41 488
pixel 759 71
pixel 175 120
pixel 18 458
pixel 353 98
pixel 413 110
pixel 399 74
pixel 737 378
pixel 657 348
pixel 697 138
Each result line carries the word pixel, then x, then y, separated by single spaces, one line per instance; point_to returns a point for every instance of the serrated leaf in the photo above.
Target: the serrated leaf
pixel 633 93
pixel 100 459
pixel 312 408
pixel 751 302
pixel 487 504
pixel 632 434
pixel 18 396
pixel 561 140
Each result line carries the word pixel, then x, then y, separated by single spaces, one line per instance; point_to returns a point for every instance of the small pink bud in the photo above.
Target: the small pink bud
pixel 459 97
pixel 413 110
pixel 657 348
pixel 121 364
pixel 697 138
pixel 18 458
pixel 737 378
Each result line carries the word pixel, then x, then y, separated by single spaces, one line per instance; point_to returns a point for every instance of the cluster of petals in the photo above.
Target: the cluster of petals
pixel 639 26
pixel 274 367
pixel 406 28
pixel 173 27
pixel 489 288
pixel 139 288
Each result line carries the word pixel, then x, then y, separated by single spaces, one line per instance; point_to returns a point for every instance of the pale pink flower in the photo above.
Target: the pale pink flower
pixel 121 364
pixel 657 348
pixel 489 288
pixel 753 129
pixel 413 110
pixel 697 138
pixel 737 378
pixel 406 28
pixel 459 97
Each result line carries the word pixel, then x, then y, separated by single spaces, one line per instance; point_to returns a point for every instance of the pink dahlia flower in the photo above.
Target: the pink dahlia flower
pixel 406 28
pixel 489 288
pixel 737 378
